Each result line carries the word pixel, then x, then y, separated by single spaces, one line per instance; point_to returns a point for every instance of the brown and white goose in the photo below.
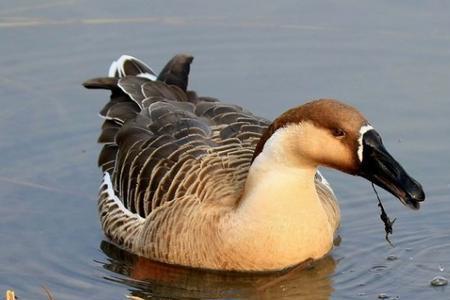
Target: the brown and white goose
pixel 193 181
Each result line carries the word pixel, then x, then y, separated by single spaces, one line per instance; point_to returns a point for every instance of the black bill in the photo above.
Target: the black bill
pixel 382 169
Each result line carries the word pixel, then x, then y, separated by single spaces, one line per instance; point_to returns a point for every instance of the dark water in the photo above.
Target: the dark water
pixel 391 59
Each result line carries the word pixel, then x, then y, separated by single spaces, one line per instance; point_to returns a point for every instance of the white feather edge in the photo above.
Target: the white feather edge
pixel 117 66
pixel 112 196
pixel 325 181
pixel 148 76
pixel 362 131
pixel 112 69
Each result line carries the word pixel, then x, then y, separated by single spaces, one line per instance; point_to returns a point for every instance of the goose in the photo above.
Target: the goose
pixel 196 182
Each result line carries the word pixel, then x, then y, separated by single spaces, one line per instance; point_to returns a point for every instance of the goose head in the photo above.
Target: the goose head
pixel 333 134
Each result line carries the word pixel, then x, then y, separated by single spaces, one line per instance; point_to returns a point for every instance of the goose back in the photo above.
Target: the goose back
pixel 162 142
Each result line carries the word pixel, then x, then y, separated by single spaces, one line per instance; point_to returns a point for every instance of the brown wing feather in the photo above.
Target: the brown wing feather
pixel 163 143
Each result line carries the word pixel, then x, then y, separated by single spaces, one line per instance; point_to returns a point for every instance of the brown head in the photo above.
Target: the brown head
pixel 333 137
pixel 333 134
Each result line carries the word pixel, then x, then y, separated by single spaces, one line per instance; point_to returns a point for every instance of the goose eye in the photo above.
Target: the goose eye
pixel 338 133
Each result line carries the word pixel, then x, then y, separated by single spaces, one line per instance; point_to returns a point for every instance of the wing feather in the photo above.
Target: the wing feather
pixel 162 142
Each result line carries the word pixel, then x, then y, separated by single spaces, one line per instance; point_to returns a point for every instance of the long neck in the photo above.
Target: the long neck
pixel 280 212
pixel 280 182
pixel 276 189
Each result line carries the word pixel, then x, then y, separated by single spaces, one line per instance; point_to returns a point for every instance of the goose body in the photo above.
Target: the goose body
pixel 192 181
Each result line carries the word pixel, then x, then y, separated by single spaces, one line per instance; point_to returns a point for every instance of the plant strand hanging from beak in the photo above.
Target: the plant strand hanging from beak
pixel 384 217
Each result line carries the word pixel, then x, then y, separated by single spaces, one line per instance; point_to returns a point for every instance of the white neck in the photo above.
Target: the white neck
pixel 280 212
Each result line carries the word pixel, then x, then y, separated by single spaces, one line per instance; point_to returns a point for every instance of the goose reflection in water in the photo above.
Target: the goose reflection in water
pixel 147 279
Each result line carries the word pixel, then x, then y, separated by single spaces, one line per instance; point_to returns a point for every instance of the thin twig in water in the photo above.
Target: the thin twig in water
pixel 384 217
pixel 47 291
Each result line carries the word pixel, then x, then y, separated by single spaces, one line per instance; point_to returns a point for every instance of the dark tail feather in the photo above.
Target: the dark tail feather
pixel 105 83
pixel 176 71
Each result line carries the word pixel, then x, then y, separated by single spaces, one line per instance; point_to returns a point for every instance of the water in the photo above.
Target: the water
pixel 390 59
